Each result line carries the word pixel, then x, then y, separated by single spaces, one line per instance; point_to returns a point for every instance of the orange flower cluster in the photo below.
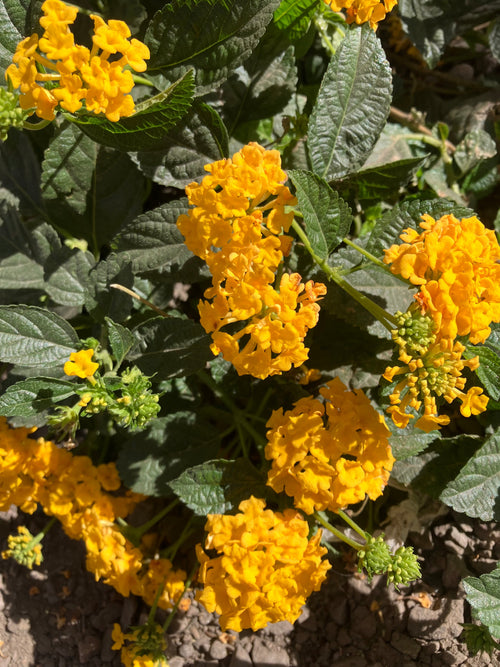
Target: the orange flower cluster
pixel 361 11
pixel 455 264
pixel 80 496
pixel 52 70
pixel 236 227
pixel 329 453
pixel 265 569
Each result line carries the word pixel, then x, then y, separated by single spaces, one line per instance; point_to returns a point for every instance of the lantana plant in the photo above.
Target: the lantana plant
pixel 244 285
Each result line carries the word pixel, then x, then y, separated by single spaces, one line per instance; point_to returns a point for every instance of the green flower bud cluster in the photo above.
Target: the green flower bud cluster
pixel 128 398
pixel 24 548
pixel 404 567
pixel 375 557
pixel 415 332
pixel 11 114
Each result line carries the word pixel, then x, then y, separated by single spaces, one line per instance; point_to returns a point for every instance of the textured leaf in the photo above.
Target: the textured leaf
pixel 294 16
pixel 211 38
pixel 148 128
pixel 409 441
pixel 489 368
pixel 66 274
pixel 170 347
pixel 20 171
pixel 150 459
pixel 121 339
pixel 483 594
pixel 474 147
pixel 431 24
pixel 476 489
pixel 431 471
pixel 383 181
pixel 30 397
pixel 200 138
pixel 494 38
pixel 35 337
pixel 89 190
pixel 12 29
pixel 409 214
pixel 217 487
pixel 101 299
pixel 327 217
pixel 352 105
pixel 152 241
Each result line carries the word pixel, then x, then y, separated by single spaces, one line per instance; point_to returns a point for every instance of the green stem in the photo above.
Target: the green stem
pixel 377 311
pixel 353 524
pixel 134 533
pixel 154 606
pixel 365 253
pixel 170 617
pixel 34 127
pixel 171 551
pixel 324 36
pixel 141 79
pixel 38 538
pixel 320 518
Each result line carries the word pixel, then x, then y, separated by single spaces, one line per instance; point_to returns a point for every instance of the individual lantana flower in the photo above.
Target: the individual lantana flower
pixel 53 71
pixel 431 368
pixel 361 11
pixel 456 266
pixel 329 453
pixel 238 227
pixel 81 364
pixel 265 568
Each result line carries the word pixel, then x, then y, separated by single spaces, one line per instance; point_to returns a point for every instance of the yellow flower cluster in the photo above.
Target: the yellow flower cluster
pixel 361 11
pixel 236 227
pixel 52 70
pixel 142 647
pixel 80 495
pixel 455 265
pixel 265 569
pixel 329 453
pixel 23 548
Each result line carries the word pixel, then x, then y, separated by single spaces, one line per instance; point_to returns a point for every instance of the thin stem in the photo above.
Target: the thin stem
pixel 170 617
pixel 352 523
pixel 385 318
pixel 326 524
pixel 158 517
pixel 324 36
pixel 373 260
pixel 38 538
pixel 171 551
pixel 134 295
pixel 154 606
pixel 34 127
pixel 141 79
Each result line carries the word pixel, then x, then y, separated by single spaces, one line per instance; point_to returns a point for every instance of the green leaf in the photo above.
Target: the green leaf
pixel 101 299
pixel 170 347
pixel 431 471
pixel 352 105
pixel 327 217
pixel 383 181
pixel 66 274
pixel 213 38
pixel 35 337
pixel 431 24
pixel 89 190
pixel 476 489
pixel 494 38
pixel 409 441
pixel 148 128
pixel 30 397
pixel 489 368
pixel 200 138
pixel 217 487
pixel 150 459
pixel 12 29
pixel 483 594
pixel 474 147
pixel 152 242
pixel 294 16
pixel 20 171
pixel 121 339
pixel 409 214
